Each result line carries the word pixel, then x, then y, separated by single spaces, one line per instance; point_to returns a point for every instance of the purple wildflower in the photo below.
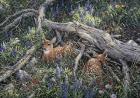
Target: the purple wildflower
pixel 62 3
pixel 28 44
pixel 69 7
pixel 64 88
pixel 49 85
pixel 82 16
pixel 3 45
pixel 113 96
pixel 23 76
pixel 9 34
pixel 2 49
pixel 58 72
pixel 88 6
pixel 77 85
pixel 90 94
pixel 13 53
pixel 55 11
pixel 79 6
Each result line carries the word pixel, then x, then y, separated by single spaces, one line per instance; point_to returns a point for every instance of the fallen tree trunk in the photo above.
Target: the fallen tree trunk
pixel 100 40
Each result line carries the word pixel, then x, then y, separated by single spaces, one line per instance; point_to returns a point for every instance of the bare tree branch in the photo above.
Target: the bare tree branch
pixel 17 20
pixel 77 59
pixel 126 80
pixel 8 19
pixel 18 65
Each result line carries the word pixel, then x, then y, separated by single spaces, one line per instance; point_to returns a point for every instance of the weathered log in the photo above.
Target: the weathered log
pixel 100 40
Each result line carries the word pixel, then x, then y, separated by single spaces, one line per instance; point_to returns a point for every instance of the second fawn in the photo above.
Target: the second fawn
pixel 94 65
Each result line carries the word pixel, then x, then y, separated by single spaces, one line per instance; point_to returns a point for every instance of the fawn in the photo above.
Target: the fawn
pixel 51 53
pixel 94 65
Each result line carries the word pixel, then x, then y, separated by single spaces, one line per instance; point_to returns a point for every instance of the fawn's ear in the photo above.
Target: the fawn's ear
pixel 53 40
pixel 44 40
pixel 105 53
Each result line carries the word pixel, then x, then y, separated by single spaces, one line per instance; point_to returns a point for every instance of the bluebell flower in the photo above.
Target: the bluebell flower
pixel 77 85
pixel 78 7
pixel 9 34
pixel 49 82
pixel 55 11
pixel 82 16
pixel 49 85
pixel 2 49
pixel 69 7
pixel 90 93
pixel 23 76
pixel 91 9
pixel 11 64
pixel 13 53
pixel 62 3
pixel 4 45
pixel 64 88
pixel 28 44
pixel 88 6
pixel 58 72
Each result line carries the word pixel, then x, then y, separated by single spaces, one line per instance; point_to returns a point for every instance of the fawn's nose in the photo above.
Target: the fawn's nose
pixel 45 49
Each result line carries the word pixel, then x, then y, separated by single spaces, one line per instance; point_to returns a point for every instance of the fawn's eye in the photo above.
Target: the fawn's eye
pixel 49 43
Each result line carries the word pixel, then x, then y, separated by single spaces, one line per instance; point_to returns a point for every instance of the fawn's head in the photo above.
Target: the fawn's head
pixel 47 44
pixel 102 57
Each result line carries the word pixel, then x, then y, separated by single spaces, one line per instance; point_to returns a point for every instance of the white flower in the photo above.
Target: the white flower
pixel 113 96
pixel 101 91
pixel 108 86
pixel 33 61
pixel 23 76
pixel 9 87
pixel 4 45
pixel 15 41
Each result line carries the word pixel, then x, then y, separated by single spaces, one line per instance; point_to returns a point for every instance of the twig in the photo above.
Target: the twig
pixel 59 37
pixel 18 65
pixel 31 95
pixel 126 79
pixel 77 59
